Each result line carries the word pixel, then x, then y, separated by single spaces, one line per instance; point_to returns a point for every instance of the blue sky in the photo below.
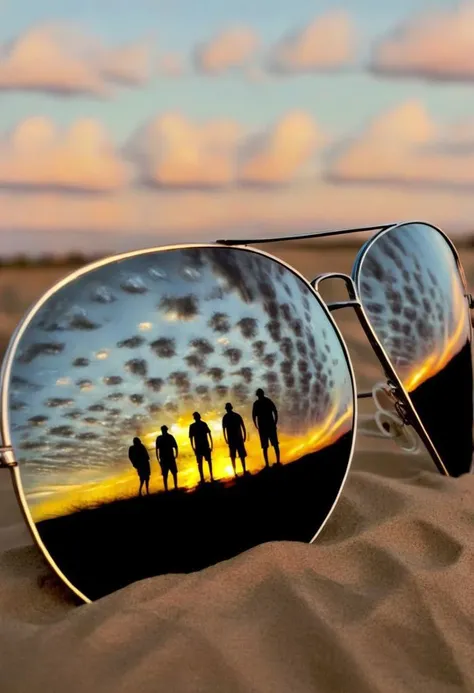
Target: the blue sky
pixel 342 101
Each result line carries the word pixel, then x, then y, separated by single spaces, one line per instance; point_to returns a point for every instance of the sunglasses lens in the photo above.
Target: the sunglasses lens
pixel 413 295
pixel 215 371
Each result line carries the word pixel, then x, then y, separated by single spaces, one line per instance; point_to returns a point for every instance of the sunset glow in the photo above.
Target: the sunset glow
pixel 446 349
pixel 125 484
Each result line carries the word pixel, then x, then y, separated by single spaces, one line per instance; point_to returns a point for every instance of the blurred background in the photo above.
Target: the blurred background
pixel 128 124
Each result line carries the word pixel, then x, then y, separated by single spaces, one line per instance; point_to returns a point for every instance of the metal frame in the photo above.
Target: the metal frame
pixel 7 456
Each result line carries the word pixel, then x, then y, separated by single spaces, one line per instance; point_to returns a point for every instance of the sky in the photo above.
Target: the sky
pixel 123 350
pixel 124 125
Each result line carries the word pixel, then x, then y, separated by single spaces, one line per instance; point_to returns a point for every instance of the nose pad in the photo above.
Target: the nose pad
pixel 389 421
pixel 392 427
pixel 383 398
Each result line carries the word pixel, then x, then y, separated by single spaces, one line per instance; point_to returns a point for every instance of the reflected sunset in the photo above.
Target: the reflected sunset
pixel 447 345
pixel 123 485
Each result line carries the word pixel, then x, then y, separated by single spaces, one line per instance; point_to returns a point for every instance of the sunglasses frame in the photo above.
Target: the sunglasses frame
pixel 404 406
pixel 7 453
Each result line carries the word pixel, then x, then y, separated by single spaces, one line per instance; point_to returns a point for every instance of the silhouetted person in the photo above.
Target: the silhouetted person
pixel 201 442
pixel 235 435
pixel 167 453
pixel 140 459
pixel 265 418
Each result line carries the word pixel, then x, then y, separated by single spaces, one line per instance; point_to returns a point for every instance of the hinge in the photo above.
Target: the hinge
pixel 7 457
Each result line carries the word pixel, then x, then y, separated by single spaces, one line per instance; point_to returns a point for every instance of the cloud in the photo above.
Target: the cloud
pixel 279 155
pixel 328 42
pixel 215 180
pixel 60 59
pixel 233 47
pixel 437 45
pixel 37 154
pixel 172 151
pixel 405 147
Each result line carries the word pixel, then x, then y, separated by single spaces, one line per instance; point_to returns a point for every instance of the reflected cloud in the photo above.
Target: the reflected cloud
pixel 131 343
pixel 81 362
pixel 164 347
pixel 179 307
pixel 137 367
pixel 40 349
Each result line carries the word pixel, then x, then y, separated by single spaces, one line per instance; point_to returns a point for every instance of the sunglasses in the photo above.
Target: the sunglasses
pixel 169 408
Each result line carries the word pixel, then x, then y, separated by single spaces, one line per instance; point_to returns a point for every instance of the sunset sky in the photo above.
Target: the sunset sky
pixel 122 351
pixel 126 124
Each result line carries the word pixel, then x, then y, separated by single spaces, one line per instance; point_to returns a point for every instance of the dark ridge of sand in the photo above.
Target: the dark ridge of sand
pixel 445 406
pixel 107 547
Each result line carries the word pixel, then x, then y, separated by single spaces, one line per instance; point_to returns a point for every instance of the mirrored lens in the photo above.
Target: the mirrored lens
pixel 413 295
pixel 174 408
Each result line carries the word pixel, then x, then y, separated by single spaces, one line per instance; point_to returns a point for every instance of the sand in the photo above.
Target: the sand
pixel 382 601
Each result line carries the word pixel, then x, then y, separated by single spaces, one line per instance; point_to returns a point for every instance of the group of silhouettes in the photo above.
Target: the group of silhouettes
pixel 265 419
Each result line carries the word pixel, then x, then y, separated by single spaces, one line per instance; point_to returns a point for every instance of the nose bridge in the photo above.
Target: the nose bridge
pixel 353 300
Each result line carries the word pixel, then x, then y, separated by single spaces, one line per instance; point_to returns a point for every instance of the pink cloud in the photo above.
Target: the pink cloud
pixel 405 147
pixel 328 42
pixel 231 48
pixel 61 59
pixel 436 44
pixel 197 171
pixel 283 153
pixel 82 158
pixel 173 151
pixel 170 150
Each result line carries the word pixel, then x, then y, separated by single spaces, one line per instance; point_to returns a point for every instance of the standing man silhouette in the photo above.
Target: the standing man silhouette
pixel 140 459
pixel 265 418
pixel 167 453
pixel 201 442
pixel 235 435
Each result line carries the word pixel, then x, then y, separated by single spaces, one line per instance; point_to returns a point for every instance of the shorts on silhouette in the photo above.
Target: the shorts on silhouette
pixel 204 452
pixel 268 437
pixel 169 465
pixel 237 449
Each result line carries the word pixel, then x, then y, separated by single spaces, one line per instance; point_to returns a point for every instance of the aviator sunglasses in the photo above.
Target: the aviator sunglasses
pixel 169 408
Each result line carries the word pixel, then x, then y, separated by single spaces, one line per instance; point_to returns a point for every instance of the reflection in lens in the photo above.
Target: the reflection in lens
pixel 412 293
pixel 239 383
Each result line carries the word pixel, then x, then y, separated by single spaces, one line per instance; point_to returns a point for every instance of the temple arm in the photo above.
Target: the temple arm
pixel 302 237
